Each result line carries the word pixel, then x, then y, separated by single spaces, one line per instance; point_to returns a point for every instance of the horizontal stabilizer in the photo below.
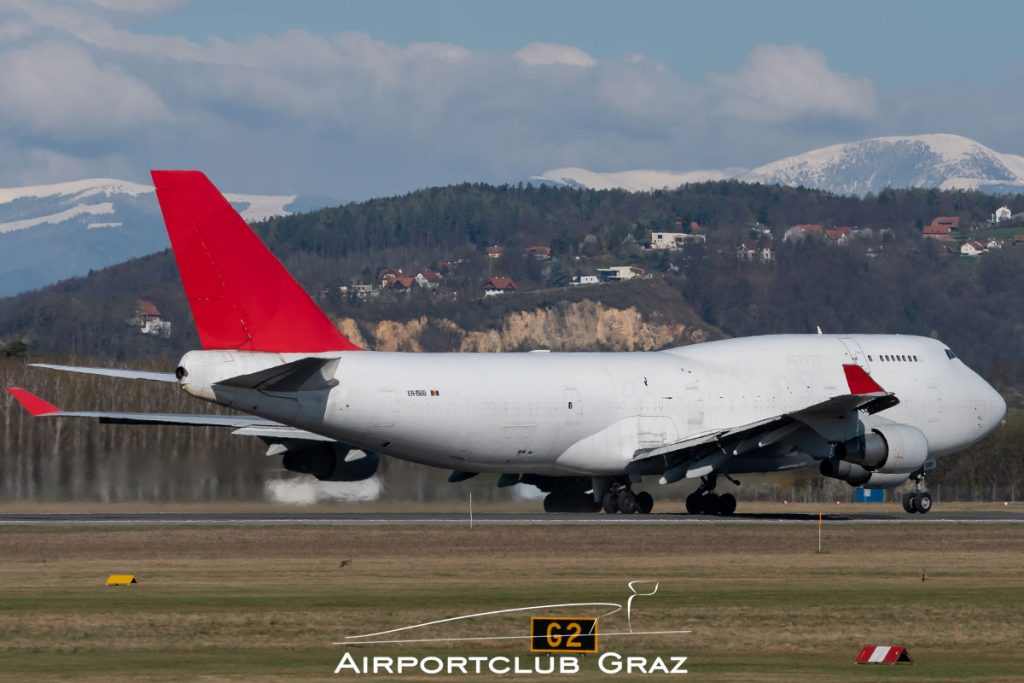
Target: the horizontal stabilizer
pixel 39 407
pixel 111 372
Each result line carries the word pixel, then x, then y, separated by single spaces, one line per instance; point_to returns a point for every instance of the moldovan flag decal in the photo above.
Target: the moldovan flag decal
pixel 884 654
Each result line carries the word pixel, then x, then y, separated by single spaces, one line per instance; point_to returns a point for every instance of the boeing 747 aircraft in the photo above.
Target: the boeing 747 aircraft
pixel 871 410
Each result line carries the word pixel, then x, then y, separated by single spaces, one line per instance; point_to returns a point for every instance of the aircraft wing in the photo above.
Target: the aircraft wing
pixel 703 453
pixel 245 425
pixel 111 372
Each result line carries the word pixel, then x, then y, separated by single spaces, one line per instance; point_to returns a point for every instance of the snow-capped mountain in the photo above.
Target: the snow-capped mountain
pixel 634 181
pixel 942 161
pixel 52 232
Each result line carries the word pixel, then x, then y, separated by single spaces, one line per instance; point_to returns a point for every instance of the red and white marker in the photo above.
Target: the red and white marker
pixel 883 654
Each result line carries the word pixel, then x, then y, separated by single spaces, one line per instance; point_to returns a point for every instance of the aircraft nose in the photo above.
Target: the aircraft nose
pixel 996 407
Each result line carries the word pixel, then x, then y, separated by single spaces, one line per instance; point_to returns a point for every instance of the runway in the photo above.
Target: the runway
pixel 485 519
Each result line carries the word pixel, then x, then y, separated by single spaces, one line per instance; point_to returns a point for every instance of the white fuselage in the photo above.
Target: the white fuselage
pixel 590 413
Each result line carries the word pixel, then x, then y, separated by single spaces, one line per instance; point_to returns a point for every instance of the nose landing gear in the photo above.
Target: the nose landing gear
pixel 704 501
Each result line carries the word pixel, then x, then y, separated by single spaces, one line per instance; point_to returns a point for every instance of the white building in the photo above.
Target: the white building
pixel 584 280
pixel 619 273
pixel 1003 213
pixel 674 240
pixel 972 248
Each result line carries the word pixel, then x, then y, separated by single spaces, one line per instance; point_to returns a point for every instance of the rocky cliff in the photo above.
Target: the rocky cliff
pixel 564 326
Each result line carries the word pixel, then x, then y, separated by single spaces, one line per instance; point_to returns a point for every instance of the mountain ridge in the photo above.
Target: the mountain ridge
pixel 937 160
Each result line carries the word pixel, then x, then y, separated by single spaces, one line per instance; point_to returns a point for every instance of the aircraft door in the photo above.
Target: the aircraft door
pixel 856 353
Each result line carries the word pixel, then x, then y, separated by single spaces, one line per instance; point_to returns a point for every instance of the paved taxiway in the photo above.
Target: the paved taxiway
pixel 492 518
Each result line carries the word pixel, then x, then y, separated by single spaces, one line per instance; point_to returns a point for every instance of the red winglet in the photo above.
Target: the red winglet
pixel 32 403
pixel 860 382
pixel 240 295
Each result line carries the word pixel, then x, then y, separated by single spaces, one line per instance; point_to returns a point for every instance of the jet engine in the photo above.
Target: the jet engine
pixel 887 449
pixel 332 462
pixel 855 475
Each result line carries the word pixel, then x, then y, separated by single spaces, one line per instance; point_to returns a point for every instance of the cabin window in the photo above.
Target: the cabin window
pixel 869 357
pixel 950 355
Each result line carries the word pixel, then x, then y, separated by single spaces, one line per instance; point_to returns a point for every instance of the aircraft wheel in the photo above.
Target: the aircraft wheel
pixel 610 502
pixel 923 502
pixel 551 503
pixel 908 503
pixel 693 503
pixel 710 504
pixel 626 502
pixel 644 503
pixel 726 504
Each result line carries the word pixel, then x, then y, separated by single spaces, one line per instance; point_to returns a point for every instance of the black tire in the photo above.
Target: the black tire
pixel 908 503
pixel 626 502
pixel 693 503
pixel 644 503
pixel 726 504
pixel 709 504
pixel 923 502
pixel 610 502
pixel 550 503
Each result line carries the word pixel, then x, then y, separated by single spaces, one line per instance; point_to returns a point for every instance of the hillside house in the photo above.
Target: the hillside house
pixel 952 222
pixel 538 252
pixel 495 251
pixel 360 290
pixel 993 243
pixel 936 232
pixel 760 251
pixel 495 286
pixel 1018 240
pixel 972 248
pixel 147 318
pixel 584 280
pixel 619 273
pixel 838 235
pixel 428 278
pixel 402 283
pixel 674 240
pixel 387 275
pixel 803 231
pixel 1003 213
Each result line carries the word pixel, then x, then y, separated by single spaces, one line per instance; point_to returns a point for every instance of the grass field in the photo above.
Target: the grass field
pixel 266 603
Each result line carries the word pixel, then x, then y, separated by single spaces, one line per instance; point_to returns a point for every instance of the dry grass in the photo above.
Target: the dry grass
pixel 232 603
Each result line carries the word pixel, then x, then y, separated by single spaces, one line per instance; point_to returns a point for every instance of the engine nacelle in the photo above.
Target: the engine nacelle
pixel 887 449
pixel 855 475
pixel 332 462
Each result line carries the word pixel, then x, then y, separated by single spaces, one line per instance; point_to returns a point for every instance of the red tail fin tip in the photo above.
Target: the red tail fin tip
pixel 32 403
pixel 240 294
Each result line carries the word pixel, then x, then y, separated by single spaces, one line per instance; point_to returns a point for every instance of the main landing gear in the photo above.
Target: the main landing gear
pixel 620 498
pixel 920 500
pixel 704 501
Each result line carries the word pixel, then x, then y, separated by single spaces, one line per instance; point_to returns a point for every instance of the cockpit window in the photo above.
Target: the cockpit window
pixel 950 354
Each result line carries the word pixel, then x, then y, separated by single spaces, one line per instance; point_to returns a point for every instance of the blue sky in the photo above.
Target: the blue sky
pixel 356 99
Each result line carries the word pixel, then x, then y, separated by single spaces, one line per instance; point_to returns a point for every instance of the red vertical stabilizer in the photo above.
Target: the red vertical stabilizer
pixel 240 294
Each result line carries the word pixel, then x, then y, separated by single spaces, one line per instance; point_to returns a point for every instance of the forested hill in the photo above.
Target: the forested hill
pixel 890 279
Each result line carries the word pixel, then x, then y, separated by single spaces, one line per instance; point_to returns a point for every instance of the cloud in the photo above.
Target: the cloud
pixel 784 83
pixel 57 90
pixel 351 116
pixel 546 54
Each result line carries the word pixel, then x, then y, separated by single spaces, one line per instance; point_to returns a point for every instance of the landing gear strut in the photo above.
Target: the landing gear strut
pixel 620 498
pixel 920 500
pixel 704 501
